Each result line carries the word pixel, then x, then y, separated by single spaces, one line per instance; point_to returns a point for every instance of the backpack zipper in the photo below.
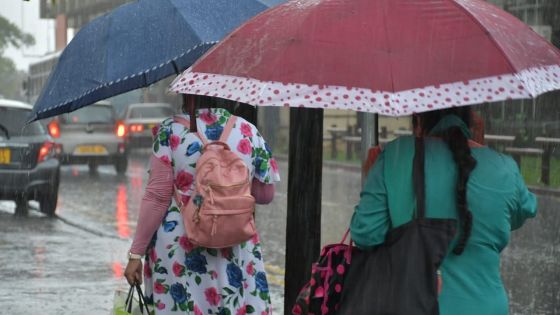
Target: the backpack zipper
pixel 227 186
pixel 208 188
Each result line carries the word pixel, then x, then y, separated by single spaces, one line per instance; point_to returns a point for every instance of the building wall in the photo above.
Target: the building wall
pixel 79 12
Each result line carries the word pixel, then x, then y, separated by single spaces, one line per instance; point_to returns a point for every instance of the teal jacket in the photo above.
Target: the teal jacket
pixel 496 195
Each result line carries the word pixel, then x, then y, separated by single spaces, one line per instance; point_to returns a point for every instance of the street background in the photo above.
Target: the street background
pixel 74 263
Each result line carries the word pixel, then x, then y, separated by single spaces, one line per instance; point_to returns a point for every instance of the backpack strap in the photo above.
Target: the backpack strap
pixel 227 129
pixel 182 121
pixel 223 137
pixel 186 123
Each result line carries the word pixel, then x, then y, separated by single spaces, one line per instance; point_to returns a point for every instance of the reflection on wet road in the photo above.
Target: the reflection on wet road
pixel 74 264
pixel 122 212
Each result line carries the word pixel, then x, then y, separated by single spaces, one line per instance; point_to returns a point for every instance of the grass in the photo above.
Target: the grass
pixel 531 171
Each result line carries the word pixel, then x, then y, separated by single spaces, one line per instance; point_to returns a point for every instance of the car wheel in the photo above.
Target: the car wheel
pixel 121 164
pixel 48 201
pixel 22 206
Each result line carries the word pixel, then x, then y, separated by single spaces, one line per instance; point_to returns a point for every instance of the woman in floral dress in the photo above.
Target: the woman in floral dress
pixel 181 278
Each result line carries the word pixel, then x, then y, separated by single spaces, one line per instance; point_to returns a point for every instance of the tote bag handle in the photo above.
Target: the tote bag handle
pixel 130 300
pixel 418 178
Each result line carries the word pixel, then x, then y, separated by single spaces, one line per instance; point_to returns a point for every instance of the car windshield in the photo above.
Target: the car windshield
pixel 88 115
pixel 150 112
pixel 14 121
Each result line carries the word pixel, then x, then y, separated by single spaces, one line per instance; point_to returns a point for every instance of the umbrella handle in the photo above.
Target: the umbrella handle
pixel 189 103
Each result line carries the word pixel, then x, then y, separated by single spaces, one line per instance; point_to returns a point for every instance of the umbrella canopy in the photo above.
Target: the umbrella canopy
pixel 136 45
pixel 393 57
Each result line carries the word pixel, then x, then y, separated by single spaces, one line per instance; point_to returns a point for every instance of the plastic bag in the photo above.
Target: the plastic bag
pixel 126 303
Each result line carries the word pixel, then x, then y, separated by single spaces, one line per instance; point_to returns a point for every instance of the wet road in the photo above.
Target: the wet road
pixel 73 264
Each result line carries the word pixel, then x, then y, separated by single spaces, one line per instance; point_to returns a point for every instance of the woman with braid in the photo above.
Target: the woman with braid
pixel 474 184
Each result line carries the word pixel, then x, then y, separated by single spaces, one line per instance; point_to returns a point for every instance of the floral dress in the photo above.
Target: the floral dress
pixel 181 278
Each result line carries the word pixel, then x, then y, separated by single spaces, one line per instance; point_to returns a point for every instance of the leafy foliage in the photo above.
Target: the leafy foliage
pixel 11 35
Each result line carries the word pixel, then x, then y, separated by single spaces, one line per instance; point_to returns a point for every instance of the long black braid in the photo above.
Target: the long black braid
pixel 459 146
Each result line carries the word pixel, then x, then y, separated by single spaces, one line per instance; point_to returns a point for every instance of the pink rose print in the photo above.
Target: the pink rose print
pixel 212 296
pixel 296 310
pixel 273 165
pixel 242 310
pixel 147 271
pixel 245 285
pixel 255 238
pixel 186 244
pixel 178 269
pixel 153 255
pixel 213 275
pixel 244 146
pixel 246 130
pixel 165 159
pixel 197 311
pixel 184 180
pixel 250 268
pixel 174 142
pixel 160 305
pixel 159 288
pixel 208 118
pixel 155 130
pixel 226 252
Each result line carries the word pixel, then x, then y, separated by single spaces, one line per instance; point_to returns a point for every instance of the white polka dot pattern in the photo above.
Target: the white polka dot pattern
pixel 526 84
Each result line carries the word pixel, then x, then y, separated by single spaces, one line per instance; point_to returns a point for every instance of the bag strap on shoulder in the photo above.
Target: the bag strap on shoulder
pixel 186 124
pixel 223 137
pixel 227 129
pixel 418 178
pixel 180 120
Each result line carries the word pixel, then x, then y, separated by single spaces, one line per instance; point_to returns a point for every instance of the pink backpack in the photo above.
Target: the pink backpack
pixel 220 211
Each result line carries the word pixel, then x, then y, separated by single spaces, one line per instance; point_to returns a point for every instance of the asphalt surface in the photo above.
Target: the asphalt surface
pixel 74 263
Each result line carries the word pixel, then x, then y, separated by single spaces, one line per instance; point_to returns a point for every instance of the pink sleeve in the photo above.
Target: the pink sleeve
pixel 155 202
pixel 263 193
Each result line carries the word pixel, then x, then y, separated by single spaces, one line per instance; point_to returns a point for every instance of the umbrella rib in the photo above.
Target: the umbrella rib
pixel 389 46
pixel 484 29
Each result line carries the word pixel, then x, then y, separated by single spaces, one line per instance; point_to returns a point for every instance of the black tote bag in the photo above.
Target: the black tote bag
pixel 399 277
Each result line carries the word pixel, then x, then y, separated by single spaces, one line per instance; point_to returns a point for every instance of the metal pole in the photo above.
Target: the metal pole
pixel 370 136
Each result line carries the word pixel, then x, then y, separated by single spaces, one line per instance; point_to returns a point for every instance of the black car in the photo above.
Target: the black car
pixel 28 167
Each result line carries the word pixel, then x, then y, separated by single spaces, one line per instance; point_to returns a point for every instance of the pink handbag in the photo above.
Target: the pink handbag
pixel 322 294
pixel 221 210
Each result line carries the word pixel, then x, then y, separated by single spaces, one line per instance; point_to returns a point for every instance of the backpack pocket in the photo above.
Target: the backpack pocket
pixel 223 222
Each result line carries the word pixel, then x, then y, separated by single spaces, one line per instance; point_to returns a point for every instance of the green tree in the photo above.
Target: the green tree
pixel 11 35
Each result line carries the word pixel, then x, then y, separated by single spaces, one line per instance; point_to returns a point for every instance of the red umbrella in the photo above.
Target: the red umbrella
pixel 393 57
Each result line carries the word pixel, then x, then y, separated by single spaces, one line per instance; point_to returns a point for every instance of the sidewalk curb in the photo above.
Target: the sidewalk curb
pixel 546 191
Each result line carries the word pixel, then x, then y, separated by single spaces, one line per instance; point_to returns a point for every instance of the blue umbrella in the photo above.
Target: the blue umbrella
pixel 136 45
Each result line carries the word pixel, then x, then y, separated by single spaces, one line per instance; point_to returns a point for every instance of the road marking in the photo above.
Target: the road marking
pixel 275 274
pixel 274 269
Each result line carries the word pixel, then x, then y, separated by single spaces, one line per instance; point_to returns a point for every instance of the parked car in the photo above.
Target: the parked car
pixel 28 167
pixel 91 135
pixel 141 118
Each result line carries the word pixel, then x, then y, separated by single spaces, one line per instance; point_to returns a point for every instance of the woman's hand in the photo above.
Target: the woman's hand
pixel 133 271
